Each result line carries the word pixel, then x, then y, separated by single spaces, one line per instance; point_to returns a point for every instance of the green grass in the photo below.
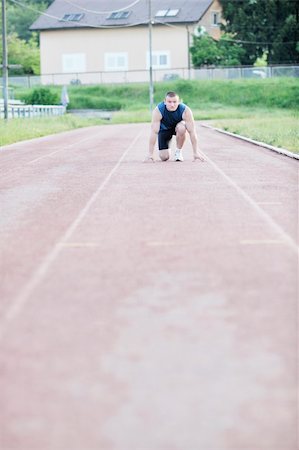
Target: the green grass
pixel 264 110
pixel 15 130
pixel 279 129
pixel 139 116
pixel 269 92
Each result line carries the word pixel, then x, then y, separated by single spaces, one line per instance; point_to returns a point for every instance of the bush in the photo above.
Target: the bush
pixel 41 96
pixel 82 101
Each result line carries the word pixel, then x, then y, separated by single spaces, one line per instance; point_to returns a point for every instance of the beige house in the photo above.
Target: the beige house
pixel 111 41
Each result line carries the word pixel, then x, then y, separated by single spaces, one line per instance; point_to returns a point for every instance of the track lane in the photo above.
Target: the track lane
pixel 39 201
pixel 157 315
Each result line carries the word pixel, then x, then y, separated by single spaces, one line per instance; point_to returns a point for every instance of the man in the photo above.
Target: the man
pixel 171 117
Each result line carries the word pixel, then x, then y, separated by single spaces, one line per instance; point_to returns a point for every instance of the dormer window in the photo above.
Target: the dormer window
pixel 172 12
pixel 167 13
pixel 119 15
pixel 161 13
pixel 72 17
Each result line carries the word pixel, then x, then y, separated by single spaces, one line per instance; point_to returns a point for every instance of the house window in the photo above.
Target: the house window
pixel 119 15
pixel 72 17
pixel 172 12
pixel 160 60
pixel 73 62
pixel 116 61
pixel 215 18
pixel 161 13
pixel 167 13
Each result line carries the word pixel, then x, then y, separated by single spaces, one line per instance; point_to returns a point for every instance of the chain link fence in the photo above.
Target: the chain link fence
pixel 136 76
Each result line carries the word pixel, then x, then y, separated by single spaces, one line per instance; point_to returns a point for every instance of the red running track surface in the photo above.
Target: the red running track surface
pixel 147 306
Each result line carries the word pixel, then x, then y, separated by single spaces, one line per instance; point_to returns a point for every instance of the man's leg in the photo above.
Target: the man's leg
pixel 180 130
pixel 165 154
pixel 164 137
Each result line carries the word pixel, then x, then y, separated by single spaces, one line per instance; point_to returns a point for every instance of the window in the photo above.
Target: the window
pixel 167 13
pixel 172 12
pixel 73 62
pixel 116 61
pixel 161 13
pixel 72 17
pixel 215 17
pixel 119 15
pixel 160 60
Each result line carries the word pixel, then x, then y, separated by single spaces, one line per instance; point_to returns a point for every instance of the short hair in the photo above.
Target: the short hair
pixel 171 94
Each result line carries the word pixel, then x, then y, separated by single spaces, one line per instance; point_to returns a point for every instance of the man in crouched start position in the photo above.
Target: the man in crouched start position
pixel 171 117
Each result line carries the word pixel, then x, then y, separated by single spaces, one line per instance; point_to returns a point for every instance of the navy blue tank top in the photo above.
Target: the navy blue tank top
pixel 170 118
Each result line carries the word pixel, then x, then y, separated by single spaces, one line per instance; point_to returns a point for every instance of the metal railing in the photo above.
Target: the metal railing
pixel 23 111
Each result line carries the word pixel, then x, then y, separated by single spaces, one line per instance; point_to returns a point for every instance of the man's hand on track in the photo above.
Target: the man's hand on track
pixel 149 159
pixel 199 157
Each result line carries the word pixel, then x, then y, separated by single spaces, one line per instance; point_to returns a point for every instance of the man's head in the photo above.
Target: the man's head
pixel 171 101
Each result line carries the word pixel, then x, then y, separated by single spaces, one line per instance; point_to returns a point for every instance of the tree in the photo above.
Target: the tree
pixel 25 54
pixel 231 52
pixel 264 26
pixel 22 43
pixel 207 51
pixel 204 51
pixel 20 18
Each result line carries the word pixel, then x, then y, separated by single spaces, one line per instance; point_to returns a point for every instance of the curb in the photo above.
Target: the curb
pixel 282 151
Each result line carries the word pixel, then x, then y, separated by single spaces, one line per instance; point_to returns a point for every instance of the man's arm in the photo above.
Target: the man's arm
pixel 190 126
pixel 155 127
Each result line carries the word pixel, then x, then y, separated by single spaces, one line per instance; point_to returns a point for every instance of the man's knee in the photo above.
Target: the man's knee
pixel 164 154
pixel 180 129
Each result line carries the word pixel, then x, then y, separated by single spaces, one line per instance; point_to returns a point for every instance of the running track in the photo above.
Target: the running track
pixel 147 306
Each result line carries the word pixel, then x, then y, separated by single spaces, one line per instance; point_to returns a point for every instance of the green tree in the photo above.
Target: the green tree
pixel 204 51
pixel 207 51
pixel 25 54
pixel 231 52
pixel 270 26
pixel 20 18
pixel 22 43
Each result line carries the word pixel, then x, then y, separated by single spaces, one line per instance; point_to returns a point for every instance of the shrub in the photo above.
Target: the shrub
pixel 41 96
pixel 93 102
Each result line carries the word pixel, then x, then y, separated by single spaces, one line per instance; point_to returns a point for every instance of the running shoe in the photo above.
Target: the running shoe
pixel 178 156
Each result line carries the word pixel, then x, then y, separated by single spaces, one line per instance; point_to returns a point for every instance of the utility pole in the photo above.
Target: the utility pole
pixel 150 25
pixel 4 60
pixel 188 47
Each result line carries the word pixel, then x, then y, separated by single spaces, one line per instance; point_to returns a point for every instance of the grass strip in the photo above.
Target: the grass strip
pixel 272 125
pixel 279 130
pixel 275 127
pixel 269 92
pixel 15 130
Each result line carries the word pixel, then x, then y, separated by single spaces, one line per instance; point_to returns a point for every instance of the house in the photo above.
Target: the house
pixel 97 41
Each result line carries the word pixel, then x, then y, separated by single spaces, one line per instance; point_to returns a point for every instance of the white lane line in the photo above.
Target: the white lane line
pixel 79 244
pixel 282 151
pixel 261 241
pixel 17 170
pixel 269 203
pixel 277 228
pixel 166 244
pixel 19 302
pixel 61 149
pixel 19 145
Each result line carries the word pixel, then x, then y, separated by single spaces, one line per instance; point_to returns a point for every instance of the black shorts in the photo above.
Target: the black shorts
pixel 164 137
